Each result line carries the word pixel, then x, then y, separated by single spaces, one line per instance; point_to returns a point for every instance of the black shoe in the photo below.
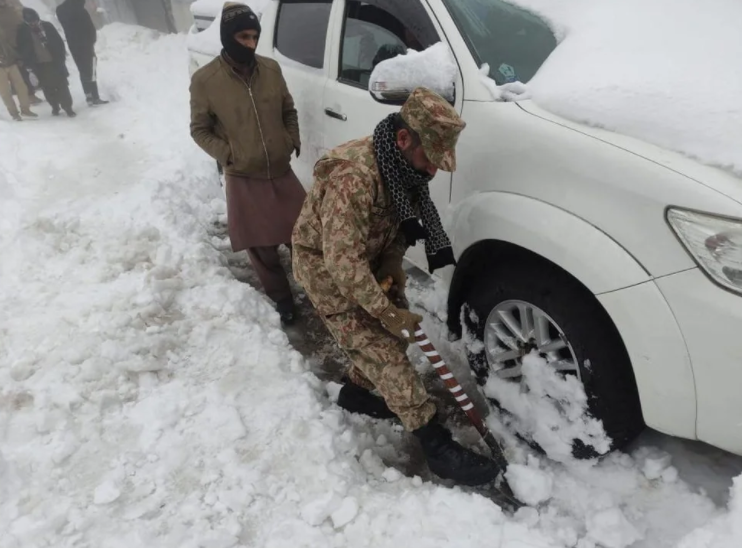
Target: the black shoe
pixel 357 399
pixel 287 310
pixel 448 459
pixel 71 113
pixel 96 102
pixel 55 112
pixel 17 118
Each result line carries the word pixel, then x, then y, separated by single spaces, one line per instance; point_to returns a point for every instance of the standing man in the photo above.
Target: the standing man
pixel 243 115
pixel 10 77
pixel 81 36
pixel 362 213
pixel 43 51
pixel 10 20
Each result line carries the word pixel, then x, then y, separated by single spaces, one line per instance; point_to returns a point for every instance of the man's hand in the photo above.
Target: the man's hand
pixel 392 268
pixel 297 150
pixel 400 322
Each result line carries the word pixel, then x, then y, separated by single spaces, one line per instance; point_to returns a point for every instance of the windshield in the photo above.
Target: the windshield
pixel 513 42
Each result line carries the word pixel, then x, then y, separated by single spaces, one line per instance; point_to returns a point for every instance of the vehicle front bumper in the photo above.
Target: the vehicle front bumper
pixel 710 319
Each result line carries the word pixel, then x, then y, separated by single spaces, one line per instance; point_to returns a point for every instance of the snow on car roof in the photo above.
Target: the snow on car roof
pixel 214 7
pixel 664 71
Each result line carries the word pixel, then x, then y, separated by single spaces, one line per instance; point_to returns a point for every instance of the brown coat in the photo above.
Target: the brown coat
pixel 346 228
pixel 247 123
pixel 10 20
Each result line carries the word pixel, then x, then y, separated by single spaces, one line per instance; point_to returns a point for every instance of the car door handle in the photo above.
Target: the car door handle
pixel 333 114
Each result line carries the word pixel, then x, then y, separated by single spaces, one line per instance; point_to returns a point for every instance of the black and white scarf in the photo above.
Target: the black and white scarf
pixel 404 182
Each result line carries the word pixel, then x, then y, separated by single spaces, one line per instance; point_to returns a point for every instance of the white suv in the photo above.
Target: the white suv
pixel 619 261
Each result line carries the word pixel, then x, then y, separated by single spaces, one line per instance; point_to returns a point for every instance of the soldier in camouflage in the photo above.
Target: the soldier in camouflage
pixel 369 202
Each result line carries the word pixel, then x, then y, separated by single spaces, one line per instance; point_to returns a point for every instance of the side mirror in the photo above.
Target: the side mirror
pixel 393 80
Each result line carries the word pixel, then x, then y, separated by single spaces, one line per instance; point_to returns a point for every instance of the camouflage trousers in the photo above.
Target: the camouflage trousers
pixel 379 360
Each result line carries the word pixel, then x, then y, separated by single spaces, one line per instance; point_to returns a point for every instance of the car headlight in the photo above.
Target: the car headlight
pixel 714 242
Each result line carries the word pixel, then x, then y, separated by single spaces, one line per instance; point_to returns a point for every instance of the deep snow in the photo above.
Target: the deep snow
pixel 147 398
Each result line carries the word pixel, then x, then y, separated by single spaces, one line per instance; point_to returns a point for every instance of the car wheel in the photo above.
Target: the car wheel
pixel 533 306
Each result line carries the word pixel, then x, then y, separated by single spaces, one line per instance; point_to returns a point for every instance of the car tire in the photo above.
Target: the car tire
pixel 605 368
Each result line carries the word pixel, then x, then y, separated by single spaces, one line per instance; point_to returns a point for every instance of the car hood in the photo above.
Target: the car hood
pixel 721 180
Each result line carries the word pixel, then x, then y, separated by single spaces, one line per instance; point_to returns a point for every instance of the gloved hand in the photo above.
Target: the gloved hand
pixel 297 150
pixel 392 268
pixel 400 322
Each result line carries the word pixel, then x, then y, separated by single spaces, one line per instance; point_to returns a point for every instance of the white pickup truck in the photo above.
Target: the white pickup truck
pixel 618 261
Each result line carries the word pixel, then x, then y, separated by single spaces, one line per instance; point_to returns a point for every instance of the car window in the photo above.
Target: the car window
pixel 301 30
pixel 512 41
pixel 375 30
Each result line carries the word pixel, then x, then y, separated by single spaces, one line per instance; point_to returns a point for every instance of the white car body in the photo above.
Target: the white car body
pixel 591 201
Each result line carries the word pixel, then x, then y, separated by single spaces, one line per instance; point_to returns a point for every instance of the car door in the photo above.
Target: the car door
pixel 363 31
pixel 300 44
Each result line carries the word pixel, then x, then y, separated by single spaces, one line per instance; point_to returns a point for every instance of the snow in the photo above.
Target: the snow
pixel 665 71
pixel 213 8
pixel 552 412
pixel 148 398
pixel 434 68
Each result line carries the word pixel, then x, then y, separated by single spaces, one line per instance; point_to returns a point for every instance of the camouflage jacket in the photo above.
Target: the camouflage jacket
pixel 346 227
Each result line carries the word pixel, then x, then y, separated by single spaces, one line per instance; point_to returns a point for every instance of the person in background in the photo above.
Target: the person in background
pixel 81 36
pixel 243 116
pixel 10 77
pixel 10 21
pixel 42 50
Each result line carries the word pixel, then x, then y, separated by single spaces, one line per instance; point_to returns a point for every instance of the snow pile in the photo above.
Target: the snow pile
pixel 665 71
pixel 552 411
pixel 413 69
pixel 724 532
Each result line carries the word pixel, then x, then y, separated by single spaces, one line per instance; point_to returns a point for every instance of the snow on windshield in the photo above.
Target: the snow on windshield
pixel 664 71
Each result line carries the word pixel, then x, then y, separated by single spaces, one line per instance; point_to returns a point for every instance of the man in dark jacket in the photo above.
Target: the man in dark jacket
pixel 43 51
pixel 243 116
pixel 81 36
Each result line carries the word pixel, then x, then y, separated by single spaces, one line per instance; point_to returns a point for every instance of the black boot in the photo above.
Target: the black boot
pixel 287 310
pixel 450 460
pixel 357 399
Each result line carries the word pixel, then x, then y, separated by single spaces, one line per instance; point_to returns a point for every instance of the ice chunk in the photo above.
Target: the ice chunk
pixel 530 485
pixel 611 529
pixel 346 513
pixel 106 493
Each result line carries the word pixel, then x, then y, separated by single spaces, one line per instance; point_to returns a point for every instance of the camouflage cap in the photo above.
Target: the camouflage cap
pixel 438 125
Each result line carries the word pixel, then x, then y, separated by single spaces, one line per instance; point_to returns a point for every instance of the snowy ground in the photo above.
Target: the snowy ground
pixel 149 398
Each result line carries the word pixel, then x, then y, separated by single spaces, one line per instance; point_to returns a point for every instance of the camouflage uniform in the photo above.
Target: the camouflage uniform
pixel 346 229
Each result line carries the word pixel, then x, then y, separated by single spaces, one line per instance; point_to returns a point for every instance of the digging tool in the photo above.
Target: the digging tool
pixel 464 402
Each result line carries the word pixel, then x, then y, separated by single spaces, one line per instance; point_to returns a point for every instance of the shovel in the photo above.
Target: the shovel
pixel 464 402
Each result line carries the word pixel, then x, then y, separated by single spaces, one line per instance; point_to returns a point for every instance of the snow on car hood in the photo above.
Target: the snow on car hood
pixel 664 71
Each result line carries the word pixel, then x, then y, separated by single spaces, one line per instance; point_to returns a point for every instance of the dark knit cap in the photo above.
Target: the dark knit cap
pixel 237 17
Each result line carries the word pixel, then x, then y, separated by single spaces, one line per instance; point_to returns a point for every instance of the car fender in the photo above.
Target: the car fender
pixel 625 289
pixel 578 247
